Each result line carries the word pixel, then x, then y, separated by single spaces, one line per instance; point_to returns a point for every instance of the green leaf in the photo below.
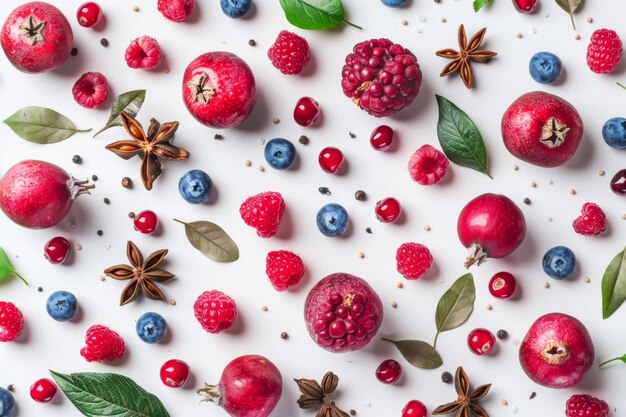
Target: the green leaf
pixel 570 6
pixel 455 305
pixel 6 269
pixel 417 353
pixel 459 137
pixel 478 4
pixel 211 240
pixel 106 394
pixel 614 285
pixel 619 358
pixel 42 125
pixel 129 103
pixel 315 14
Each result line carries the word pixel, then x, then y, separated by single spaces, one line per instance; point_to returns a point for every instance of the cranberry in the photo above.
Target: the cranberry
pixel 502 285
pixel 89 14
pixel 414 408
pixel 389 371
pixel 618 182
pixel 382 137
pixel 525 6
pixel 387 210
pixel 146 222
pixel 306 112
pixel 43 390
pixel 331 160
pixel 57 250
pixel 174 373
pixel 481 341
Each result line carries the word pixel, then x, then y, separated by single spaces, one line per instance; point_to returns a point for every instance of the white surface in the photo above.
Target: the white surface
pixel 52 345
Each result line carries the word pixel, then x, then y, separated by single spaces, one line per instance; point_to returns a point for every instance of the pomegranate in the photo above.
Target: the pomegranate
pixel 542 129
pixel 36 37
pixel 342 313
pixel 219 89
pixel 490 226
pixel 38 194
pixel 557 351
pixel 250 386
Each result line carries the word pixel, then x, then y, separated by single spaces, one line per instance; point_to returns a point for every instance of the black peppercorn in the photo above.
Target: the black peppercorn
pixel 303 140
pixel 77 159
pixel 502 334
pixel 360 195
pixel 104 42
pixel 446 377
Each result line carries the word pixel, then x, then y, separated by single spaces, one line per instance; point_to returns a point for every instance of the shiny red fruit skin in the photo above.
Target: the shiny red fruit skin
pixel 307 111
pixel 331 160
pixel 414 408
pixel 525 6
pixel 382 138
pixel 388 210
pixel 146 222
pixel 524 121
pixel 229 89
pixel 618 182
pixel 557 351
pixel 43 390
pixel 174 373
pixel 481 341
pixel 57 250
pixel 89 14
pixel 389 371
pixel 43 55
pixel 502 285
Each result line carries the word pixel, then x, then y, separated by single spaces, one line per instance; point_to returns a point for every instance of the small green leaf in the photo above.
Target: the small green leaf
pixel 315 14
pixel 417 353
pixel 6 269
pixel 455 305
pixel 459 137
pixel 619 358
pixel 570 6
pixel 129 103
pixel 478 4
pixel 614 285
pixel 42 125
pixel 211 240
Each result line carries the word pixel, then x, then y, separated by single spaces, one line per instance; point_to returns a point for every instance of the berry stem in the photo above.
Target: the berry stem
pixel 351 24
pixel 621 85
pixel 620 358
pixel 20 277
pixel 571 16
pixel 435 342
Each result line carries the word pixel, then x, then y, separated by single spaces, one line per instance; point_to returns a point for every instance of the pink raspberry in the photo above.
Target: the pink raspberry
pixel 284 269
pixel 11 322
pixel 91 90
pixel 592 221
pixel 428 165
pixel 215 311
pixel 604 51
pixel 586 406
pixel 144 52
pixel 263 212
pixel 413 260
pixel 102 345
pixel 289 53
pixel 176 10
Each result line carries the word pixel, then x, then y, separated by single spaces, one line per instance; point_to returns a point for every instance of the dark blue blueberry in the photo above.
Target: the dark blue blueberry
pixel 393 3
pixel 235 8
pixel 151 327
pixel 545 67
pixel 614 132
pixel 332 220
pixel 61 305
pixel 195 186
pixel 7 403
pixel 559 262
pixel 280 153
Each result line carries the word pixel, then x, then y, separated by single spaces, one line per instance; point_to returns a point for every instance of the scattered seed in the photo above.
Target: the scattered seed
pixel 549 218
pixel 442 19
pixel 172 302
pixel 73 226
pixel 504 402
pixel 546 284
pixel 577 37
pixel 217 136
pixel 167 70
pixel 131 214
pixel 303 140
pixel 489 307
pixel 252 42
pixel 572 191
pixel 352 135
pixel 104 42
pixel 360 255
pixel 532 395
pixel 10 388
pixel 550 182
pixel 39 289
pixel 624 216
pixel 275 120
pixel 127 182
pixel 427 228
pixel 446 377
pixel 437 1
pixel 284 335
pixel 360 195
pixel 106 200
pixel 393 304
pixel 324 190
pixel 74 51
pixel 94 177
pixel 533 184
pixel 518 35
pixel 135 9
pixel 78 246
pixel 527 201
pixel 77 159
pixel 502 334
pixel 101 277
pixel 247 162
pixel 589 19
pixel 261 168
pixel 399 284
pixel 262 141
pixel 353 412
pixel 515 167
pixel 404 22
pixel 369 230
pixel 587 280
pixel 264 308
pixel 601 173
pixel 99 232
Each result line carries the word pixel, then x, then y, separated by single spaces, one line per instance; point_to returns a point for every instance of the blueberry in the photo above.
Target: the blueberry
pixel 559 262
pixel 544 67
pixel 195 186
pixel 7 403
pixel 235 8
pixel 280 153
pixel 393 3
pixel 614 132
pixel 332 220
pixel 151 327
pixel 61 305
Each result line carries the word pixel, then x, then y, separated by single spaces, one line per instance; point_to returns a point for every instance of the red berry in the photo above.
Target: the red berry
pixel 174 373
pixel 89 14
pixel 176 10
pixel 502 285
pixel 387 210
pixel 289 53
pixel 525 6
pixel 414 408
pixel 618 182
pixel 331 160
pixel 382 137
pixel 143 52
pixel 413 260
pixel 43 390
pixel 389 371
pixel 215 311
pixel 284 269
pixel 91 90
pixel 428 165
pixel 481 341
pixel 57 250
pixel 263 212
pixel 11 322
pixel 586 406
pixel 592 221
pixel 604 51
pixel 146 222
pixel 102 345
pixel 306 112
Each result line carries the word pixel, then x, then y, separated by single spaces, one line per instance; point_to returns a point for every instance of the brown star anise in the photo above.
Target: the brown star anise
pixel 467 52
pixel 465 405
pixel 316 395
pixel 153 147
pixel 142 274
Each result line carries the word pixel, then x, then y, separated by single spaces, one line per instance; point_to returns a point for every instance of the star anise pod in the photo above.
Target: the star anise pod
pixel 142 274
pixel 316 395
pixel 468 51
pixel 153 147
pixel 466 405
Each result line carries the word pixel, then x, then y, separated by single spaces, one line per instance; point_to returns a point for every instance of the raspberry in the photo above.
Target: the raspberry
pixel 586 406
pixel 381 77
pixel 289 53
pixel 428 165
pixel 215 311
pixel 176 10
pixel 144 52
pixel 263 212
pixel 413 260
pixel 284 269
pixel 592 221
pixel 11 322
pixel 91 90
pixel 103 345
pixel 604 51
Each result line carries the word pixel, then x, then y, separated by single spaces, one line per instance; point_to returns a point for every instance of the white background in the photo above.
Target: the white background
pixel 51 345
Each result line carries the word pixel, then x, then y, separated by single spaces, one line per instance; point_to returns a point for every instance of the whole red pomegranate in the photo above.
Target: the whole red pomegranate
pixel 542 129
pixel 38 194
pixel 219 89
pixel 557 351
pixel 490 226
pixel 250 386
pixel 342 313
pixel 381 77
pixel 36 37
